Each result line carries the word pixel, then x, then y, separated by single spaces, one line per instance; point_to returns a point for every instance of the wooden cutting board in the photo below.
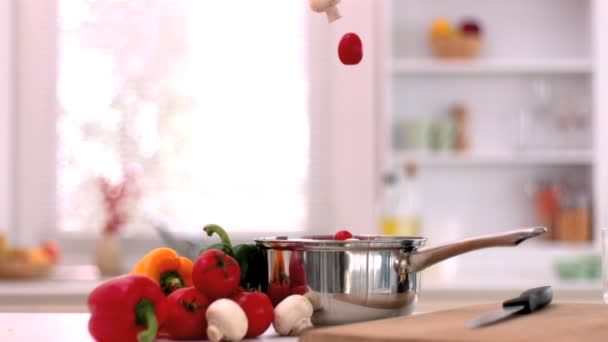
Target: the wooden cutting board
pixel 555 323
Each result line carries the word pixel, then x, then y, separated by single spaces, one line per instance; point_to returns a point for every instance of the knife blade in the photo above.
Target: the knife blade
pixel 528 301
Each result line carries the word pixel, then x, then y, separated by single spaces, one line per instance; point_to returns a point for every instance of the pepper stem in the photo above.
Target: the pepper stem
pixel 214 228
pixel 145 315
pixel 220 263
pixel 171 281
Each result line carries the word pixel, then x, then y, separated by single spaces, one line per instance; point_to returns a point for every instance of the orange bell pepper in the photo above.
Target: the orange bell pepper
pixel 165 267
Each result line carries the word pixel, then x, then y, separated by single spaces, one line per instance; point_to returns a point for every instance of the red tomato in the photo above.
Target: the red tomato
pixel 187 308
pixel 277 291
pixel 216 274
pixel 350 49
pixel 238 291
pixel 343 235
pixel 258 309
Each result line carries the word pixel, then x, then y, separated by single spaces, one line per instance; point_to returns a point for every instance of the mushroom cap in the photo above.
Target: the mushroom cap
pixel 291 312
pixel 229 318
pixel 322 5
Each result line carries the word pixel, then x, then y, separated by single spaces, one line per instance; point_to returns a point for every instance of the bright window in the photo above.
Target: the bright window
pixel 207 99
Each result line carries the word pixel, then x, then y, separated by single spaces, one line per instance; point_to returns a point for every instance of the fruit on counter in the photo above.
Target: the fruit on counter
pixel 216 274
pixel 52 250
pixel 250 258
pixel 258 309
pixel 327 6
pixel 343 235
pixel 292 315
pixel 226 321
pixel 350 49
pixel 187 309
pixel 441 28
pixel 18 254
pixel 47 253
pixel 165 267
pixel 470 27
pixel 127 308
pixel 38 256
pixel 3 245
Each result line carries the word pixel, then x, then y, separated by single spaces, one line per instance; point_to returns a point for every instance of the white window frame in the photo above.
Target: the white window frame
pixel 6 107
pixel 342 121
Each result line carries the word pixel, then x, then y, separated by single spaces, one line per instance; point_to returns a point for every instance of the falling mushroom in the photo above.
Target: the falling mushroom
pixel 226 321
pixel 292 315
pixel 327 6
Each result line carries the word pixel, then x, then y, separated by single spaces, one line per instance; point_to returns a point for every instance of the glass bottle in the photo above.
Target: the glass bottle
pixel 400 207
pixel 390 199
pixel 409 204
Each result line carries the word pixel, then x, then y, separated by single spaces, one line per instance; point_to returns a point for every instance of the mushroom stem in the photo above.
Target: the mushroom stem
pixel 301 326
pixel 332 13
pixel 214 333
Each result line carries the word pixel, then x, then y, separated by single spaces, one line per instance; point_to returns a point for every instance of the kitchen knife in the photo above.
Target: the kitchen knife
pixel 527 302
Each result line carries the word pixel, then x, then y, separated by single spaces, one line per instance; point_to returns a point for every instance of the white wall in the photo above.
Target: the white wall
pixel 6 79
pixel 353 122
pixel 35 120
pixel 600 86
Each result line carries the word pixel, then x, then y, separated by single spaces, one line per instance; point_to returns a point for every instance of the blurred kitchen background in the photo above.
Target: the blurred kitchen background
pixel 125 124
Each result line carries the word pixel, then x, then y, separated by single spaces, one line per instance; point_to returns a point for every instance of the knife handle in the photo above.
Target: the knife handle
pixel 531 300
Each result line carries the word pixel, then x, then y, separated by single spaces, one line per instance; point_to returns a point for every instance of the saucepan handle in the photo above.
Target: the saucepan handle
pixel 427 256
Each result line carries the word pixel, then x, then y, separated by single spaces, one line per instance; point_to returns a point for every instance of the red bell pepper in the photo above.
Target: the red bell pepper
pixel 127 308
pixel 278 290
pixel 297 273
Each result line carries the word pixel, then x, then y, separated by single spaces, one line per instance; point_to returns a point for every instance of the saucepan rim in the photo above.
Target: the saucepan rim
pixel 326 242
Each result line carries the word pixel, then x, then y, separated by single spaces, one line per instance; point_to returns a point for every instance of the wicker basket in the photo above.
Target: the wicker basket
pixel 462 47
pixel 18 269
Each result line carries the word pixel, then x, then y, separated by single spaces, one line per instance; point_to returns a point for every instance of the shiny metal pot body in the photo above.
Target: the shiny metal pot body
pixel 370 278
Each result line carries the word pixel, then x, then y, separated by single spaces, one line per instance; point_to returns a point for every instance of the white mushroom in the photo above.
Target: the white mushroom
pixel 226 321
pixel 292 315
pixel 327 6
pixel 315 299
pixel 352 239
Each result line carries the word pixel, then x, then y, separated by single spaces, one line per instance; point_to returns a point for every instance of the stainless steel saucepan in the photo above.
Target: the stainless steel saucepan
pixel 370 278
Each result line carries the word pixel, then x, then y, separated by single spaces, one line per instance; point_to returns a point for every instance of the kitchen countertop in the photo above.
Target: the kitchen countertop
pixel 65 327
pixel 67 290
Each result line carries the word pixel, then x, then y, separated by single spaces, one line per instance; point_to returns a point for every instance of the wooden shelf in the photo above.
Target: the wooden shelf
pixel 505 159
pixel 432 66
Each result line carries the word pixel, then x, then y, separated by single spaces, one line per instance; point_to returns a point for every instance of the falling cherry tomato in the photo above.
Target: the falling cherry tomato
pixel 350 49
pixel 343 235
